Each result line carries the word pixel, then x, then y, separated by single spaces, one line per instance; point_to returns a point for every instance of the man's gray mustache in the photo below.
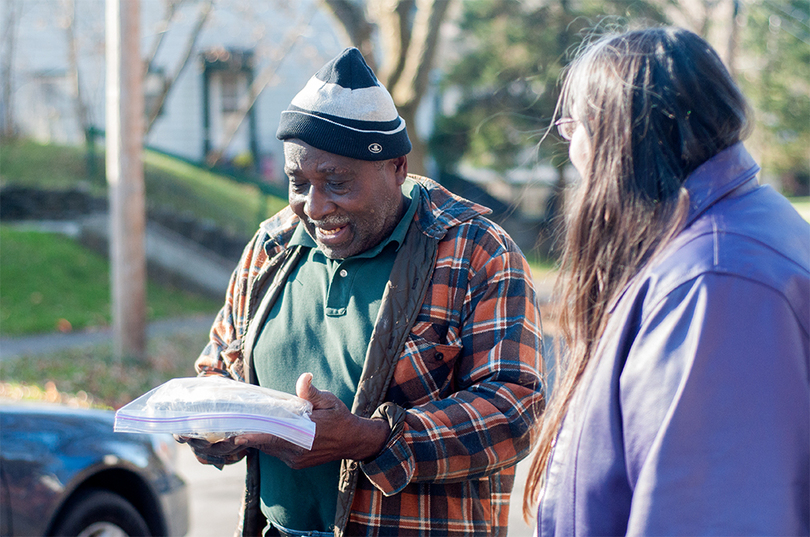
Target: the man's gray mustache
pixel 335 221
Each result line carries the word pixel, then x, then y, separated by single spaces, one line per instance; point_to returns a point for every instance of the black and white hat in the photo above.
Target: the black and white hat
pixel 344 110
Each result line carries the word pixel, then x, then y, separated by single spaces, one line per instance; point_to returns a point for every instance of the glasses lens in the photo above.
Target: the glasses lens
pixel 566 127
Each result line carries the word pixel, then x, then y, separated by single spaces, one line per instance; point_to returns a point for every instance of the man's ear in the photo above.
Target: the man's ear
pixel 400 168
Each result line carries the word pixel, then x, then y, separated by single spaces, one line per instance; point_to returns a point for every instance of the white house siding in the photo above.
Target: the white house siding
pixel 43 100
pixel 43 93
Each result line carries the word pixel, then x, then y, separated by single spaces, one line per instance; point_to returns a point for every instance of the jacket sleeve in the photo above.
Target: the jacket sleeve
pixel 475 420
pixel 715 406
pixel 223 353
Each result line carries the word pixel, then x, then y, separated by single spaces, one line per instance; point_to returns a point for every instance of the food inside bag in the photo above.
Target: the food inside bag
pixel 214 408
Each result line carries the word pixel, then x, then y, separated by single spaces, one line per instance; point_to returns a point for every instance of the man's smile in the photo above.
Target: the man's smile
pixel 331 234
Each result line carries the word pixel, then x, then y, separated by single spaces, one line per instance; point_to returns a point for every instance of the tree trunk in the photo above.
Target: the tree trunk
pixel 352 19
pixel 417 158
pixel 409 30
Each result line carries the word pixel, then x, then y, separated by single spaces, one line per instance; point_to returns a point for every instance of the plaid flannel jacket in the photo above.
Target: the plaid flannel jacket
pixel 464 387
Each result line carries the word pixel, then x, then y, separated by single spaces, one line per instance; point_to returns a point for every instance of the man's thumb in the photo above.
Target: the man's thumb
pixel 304 388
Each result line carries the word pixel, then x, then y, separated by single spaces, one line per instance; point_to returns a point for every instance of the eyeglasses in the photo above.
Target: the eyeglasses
pixel 566 127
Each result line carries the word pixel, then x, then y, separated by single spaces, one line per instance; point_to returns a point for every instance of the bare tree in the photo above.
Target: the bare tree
pixel 409 31
pixel 82 115
pixel 265 77
pixel 202 16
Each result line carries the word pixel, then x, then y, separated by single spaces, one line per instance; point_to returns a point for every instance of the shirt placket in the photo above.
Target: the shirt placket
pixel 341 277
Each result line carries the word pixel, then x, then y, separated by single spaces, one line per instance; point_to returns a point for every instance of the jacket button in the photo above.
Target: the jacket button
pixel 439 356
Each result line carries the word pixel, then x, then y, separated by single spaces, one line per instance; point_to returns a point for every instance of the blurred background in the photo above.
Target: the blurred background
pixel 475 80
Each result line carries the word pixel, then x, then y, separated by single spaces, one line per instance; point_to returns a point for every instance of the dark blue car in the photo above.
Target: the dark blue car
pixel 64 472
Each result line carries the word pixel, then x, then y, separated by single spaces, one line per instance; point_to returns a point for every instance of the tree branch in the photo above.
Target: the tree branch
pixel 75 81
pixel 394 20
pixel 259 83
pixel 171 9
pixel 426 25
pixel 352 18
pixel 202 17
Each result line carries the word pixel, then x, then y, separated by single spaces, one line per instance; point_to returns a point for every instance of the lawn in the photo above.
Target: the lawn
pixel 171 184
pixel 49 282
pixel 92 376
pixel 185 188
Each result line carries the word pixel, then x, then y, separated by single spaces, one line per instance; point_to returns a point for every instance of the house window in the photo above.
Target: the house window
pixel 154 86
pixel 227 75
pixel 230 93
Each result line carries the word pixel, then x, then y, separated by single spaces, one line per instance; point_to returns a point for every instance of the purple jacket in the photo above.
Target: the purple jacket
pixel 695 418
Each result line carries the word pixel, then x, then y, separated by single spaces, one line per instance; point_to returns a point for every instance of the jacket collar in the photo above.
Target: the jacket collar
pixel 439 210
pixel 718 176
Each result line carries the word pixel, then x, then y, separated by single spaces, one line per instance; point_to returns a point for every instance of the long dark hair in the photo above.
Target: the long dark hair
pixel 656 104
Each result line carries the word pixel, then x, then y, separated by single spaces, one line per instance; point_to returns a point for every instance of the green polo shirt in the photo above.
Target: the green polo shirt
pixel 322 323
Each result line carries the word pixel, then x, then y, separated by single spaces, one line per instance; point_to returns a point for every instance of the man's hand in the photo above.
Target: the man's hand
pixel 339 434
pixel 217 454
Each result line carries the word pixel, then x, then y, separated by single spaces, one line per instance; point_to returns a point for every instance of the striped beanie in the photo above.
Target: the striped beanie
pixel 344 110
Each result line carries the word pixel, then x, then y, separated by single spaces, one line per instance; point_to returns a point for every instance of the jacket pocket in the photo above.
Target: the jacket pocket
pixel 424 372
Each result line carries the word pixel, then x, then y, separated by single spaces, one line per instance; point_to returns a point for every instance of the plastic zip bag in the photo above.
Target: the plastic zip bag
pixel 214 408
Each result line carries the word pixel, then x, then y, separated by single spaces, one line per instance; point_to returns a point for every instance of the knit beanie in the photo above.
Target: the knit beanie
pixel 344 110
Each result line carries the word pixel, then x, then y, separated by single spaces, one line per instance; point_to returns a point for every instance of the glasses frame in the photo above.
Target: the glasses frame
pixel 566 126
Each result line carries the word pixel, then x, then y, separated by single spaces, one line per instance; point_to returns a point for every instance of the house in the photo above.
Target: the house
pixel 53 65
pixel 53 95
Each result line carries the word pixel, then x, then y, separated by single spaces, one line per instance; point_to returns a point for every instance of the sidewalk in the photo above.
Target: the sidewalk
pixel 14 347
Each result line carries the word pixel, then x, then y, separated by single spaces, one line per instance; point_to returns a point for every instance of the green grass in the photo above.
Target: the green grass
pixel 91 376
pixel 188 189
pixel 171 184
pixel 28 163
pixel 49 282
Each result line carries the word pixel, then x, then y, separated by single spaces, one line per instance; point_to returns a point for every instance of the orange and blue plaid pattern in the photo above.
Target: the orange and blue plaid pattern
pixel 469 377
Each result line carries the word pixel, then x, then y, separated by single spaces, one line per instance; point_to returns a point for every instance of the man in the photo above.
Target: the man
pixel 413 315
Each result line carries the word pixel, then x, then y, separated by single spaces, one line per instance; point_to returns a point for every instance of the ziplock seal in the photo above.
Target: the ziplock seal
pixel 207 407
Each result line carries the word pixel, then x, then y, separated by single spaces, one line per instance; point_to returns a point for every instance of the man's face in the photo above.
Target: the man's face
pixel 347 205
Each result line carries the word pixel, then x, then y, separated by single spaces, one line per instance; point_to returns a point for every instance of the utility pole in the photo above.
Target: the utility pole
pixel 124 142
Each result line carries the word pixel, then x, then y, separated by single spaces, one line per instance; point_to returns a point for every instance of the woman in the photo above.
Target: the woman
pixel 683 406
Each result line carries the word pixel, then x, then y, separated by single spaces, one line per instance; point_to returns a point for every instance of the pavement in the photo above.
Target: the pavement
pixel 16 347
